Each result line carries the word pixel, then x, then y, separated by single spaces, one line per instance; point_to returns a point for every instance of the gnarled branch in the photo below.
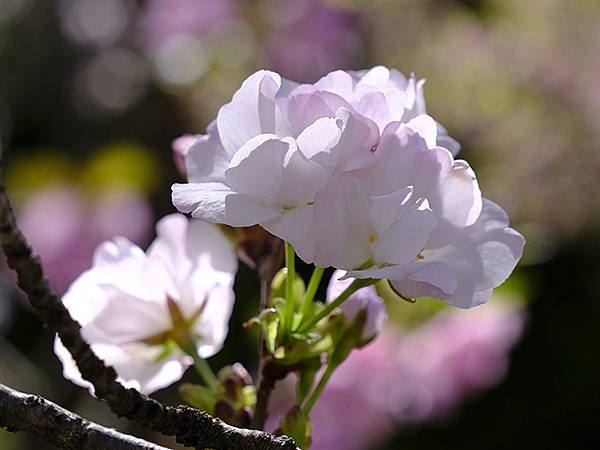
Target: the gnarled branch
pixel 57 426
pixel 192 428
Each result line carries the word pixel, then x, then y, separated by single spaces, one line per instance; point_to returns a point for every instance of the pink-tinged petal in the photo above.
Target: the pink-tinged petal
pixel 213 323
pixel 259 171
pixel 119 262
pixel 425 127
pixel 244 210
pixel 342 225
pixel 434 279
pixel 403 240
pixel 207 243
pixel 69 367
pixel 456 201
pixel 169 245
pixel 337 82
pixel 382 78
pixel 182 244
pixel 301 180
pixel 135 366
pixel 355 148
pixel 373 104
pixel 116 252
pixel 482 256
pixel 306 105
pixel 202 200
pixel 182 144
pixel 180 147
pixel 296 226
pixel 317 140
pixel 414 101
pixel 206 159
pixel 252 110
pixel 386 209
pixel 217 203
pixel 126 319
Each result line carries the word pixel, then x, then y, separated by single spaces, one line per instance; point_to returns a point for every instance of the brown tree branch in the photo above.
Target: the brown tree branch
pixel 192 428
pixel 57 426
pixel 267 269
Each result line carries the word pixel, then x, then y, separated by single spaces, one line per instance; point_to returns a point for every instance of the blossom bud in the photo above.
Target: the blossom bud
pixel 365 299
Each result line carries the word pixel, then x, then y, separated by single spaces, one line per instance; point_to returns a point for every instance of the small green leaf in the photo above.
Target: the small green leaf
pixel 270 322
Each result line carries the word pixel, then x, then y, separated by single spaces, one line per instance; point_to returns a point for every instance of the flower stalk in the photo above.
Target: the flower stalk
pixel 206 373
pixel 330 307
pixel 290 264
pixel 311 290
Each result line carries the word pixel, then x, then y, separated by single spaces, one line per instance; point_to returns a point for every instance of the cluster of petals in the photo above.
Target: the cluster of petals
pixel 355 175
pixel 125 302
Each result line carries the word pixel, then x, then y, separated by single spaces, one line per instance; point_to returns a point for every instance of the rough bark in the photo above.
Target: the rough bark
pixel 57 426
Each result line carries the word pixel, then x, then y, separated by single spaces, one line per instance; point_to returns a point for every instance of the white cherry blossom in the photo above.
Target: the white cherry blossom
pixel 127 302
pixel 354 174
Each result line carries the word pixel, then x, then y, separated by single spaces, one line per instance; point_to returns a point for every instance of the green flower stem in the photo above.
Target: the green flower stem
pixel 329 369
pixel 355 286
pixel 289 284
pixel 200 364
pixel 313 285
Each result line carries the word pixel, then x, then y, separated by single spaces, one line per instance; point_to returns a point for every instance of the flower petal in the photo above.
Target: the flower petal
pixel 251 111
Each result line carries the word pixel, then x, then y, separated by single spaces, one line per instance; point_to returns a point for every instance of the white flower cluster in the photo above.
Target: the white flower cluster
pixel 131 304
pixel 355 175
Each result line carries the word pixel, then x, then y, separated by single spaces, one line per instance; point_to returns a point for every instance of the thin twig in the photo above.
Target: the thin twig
pixel 191 427
pixel 267 269
pixel 57 426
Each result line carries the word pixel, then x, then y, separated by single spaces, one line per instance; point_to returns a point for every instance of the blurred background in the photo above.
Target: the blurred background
pixel 92 93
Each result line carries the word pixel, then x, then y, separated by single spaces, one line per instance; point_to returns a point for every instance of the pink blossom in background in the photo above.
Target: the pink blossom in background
pixel 309 38
pixel 409 377
pixel 64 228
pixel 160 20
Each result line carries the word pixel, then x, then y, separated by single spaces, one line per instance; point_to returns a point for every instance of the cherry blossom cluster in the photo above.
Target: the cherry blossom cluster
pixel 354 174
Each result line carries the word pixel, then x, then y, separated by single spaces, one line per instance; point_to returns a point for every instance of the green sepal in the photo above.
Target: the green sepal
pixel 269 320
